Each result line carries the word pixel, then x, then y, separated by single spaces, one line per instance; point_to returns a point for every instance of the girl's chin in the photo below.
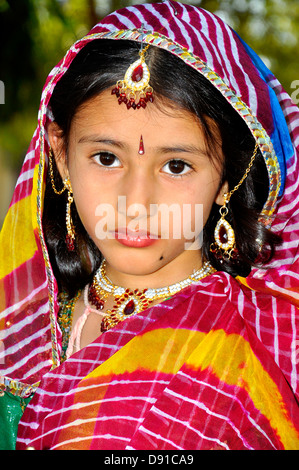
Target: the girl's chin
pixel 149 260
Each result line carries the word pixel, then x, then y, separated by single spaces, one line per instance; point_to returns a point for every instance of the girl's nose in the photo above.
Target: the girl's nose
pixel 138 189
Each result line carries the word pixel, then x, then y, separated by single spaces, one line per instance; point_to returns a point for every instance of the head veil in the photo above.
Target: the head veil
pixel 31 341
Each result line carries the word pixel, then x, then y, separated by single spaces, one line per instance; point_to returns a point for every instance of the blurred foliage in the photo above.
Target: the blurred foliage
pixel 35 34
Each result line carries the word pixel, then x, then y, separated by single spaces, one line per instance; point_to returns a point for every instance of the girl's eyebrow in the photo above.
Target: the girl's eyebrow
pixel 101 140
pixel 180 148
pixel 184 149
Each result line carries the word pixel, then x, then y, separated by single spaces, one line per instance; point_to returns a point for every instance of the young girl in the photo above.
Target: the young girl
pixel 150 264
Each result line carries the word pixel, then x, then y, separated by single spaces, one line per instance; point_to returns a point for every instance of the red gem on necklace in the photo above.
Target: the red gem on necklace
pixel 94 299
pixel 129 308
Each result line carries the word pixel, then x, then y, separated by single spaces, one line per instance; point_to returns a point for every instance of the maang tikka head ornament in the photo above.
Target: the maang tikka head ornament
pixel 135 85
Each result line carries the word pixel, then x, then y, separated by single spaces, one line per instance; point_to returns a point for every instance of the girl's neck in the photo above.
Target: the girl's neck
pixel 164 275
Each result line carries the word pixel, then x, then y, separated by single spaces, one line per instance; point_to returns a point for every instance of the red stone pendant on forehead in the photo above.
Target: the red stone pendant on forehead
pixel 137 73
pixel 134 90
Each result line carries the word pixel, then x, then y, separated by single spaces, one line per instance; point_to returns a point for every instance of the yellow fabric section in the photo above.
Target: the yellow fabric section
pixel 242 280
pixel 232 360
pixel 17 239
pixel 228 356
pixel 35 191
pixel 162 350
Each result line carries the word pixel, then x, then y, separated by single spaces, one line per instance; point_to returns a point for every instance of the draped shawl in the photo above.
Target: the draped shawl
pixel 214 366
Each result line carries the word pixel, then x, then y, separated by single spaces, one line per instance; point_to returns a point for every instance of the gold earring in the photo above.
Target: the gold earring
pixel 225 243
pixel 70 237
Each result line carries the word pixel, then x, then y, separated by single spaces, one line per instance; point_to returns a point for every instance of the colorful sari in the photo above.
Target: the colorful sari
pixel 215 366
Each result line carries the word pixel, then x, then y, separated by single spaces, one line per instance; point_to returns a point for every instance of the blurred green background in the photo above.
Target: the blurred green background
pixel 35 34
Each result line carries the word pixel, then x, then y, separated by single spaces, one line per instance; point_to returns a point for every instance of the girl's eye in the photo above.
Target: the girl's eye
pixel 107 159
pixel 177 167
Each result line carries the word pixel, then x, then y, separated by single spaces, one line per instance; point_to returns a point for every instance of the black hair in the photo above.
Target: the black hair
pixel 97 67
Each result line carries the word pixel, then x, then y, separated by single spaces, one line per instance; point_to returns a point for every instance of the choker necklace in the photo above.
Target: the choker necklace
pixel 128 302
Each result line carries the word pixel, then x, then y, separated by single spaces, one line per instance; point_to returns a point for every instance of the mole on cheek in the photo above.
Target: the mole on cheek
pixel 161 257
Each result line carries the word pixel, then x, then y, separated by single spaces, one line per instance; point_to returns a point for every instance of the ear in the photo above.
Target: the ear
pixel 57 143
pixel 220 195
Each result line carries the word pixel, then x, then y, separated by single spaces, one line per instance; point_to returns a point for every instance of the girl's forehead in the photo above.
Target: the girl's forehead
pixel 165 128
pixel 166 131
pixel 104 113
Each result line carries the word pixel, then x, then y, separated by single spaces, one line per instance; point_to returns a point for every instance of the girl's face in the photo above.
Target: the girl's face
pixel 144 211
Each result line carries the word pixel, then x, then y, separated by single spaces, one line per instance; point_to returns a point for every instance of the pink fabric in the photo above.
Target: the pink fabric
pixel 189 408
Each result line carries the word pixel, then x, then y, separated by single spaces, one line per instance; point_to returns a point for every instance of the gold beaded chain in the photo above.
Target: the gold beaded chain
pixel 65 319
pixel 52 175
pixel 227 196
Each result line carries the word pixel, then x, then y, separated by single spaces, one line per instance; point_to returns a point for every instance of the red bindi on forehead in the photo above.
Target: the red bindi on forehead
pixel 141 146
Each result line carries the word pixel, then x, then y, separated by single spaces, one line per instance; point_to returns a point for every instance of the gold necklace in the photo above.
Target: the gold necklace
pixel 128 302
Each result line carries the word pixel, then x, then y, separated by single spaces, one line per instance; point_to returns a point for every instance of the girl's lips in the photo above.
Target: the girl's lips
pixel 138 239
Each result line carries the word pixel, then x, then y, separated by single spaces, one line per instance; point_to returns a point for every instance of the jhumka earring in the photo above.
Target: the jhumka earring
pixel 70 237
pixel 135 85
pixel 225 244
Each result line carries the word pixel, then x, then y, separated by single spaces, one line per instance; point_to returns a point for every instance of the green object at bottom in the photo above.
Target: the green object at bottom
pixel 11 411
